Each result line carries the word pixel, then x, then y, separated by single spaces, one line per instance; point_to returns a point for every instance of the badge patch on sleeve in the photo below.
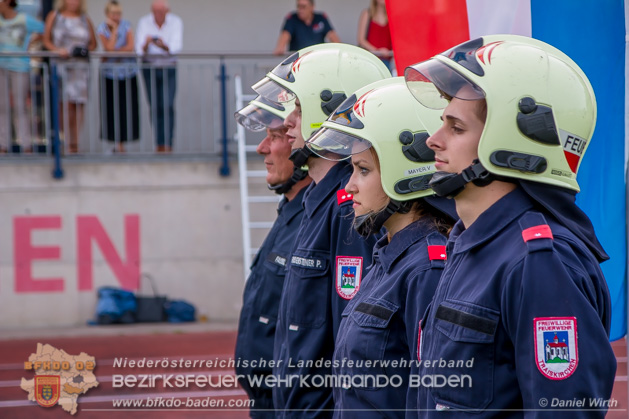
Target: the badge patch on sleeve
pixel 349 272
pixel 556 346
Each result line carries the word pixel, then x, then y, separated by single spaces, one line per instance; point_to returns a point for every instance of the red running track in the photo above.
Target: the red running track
pixel 97 403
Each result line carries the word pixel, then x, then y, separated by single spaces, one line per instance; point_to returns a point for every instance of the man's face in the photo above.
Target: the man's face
pixel 456 143
pixel 276 151
pixel 293 123
pixel 305 9
pixel 160 10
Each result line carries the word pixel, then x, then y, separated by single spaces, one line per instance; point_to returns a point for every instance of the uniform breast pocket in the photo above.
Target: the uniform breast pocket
pixel 368 333
pixel 463 345
pixel 267 302
pixel 309 289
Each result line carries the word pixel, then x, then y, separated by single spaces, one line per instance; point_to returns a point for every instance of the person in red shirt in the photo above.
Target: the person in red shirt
pixel 373 31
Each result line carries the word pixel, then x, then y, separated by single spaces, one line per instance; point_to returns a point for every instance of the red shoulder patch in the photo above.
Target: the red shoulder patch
pixel 436 252
pixel 538 232
pixel 342 196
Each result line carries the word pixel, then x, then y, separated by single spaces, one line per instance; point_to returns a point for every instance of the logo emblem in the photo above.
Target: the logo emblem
pixel 349 272
pixel 47 389
pixel 573 148
pixel 51 364
pixel 556 346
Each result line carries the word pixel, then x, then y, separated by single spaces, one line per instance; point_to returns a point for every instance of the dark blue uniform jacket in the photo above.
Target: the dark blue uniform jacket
pixel 325 270
pixel 380 325
pixel 524 308
pixel 258 317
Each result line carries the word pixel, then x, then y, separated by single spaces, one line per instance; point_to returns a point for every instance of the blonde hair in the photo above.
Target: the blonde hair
pixel 373 7
pixel 59 5
pixel 112 4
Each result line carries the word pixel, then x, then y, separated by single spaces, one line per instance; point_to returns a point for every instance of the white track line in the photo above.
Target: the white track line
pixel 109 379
pixel 109 398
pixel 110 361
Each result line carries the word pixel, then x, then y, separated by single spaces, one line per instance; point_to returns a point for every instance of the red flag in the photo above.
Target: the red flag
pixel 423 28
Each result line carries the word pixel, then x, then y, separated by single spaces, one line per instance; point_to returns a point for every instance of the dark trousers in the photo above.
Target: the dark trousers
pixel 161 85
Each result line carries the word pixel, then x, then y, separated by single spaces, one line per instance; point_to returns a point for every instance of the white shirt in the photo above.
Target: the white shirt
pixel 171 33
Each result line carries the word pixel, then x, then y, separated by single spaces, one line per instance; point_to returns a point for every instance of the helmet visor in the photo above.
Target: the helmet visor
pixel 334 145
pixel 257 119
pixel 433 83
pixel 273 91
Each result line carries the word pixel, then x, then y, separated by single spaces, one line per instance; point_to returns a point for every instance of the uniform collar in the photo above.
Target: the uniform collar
pixel 389 253
pixel 491 222
pixel 318 193
pixel 288 209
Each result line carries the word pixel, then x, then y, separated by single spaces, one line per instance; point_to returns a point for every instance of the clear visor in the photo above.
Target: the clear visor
pixel 273 91
pixel 257 119
pixel 334 145
pixel 434 83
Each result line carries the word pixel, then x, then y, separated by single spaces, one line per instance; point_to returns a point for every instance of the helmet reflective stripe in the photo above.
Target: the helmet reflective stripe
pixel 321 77
pixel 261 114
pixel 385 116
pixel 541 109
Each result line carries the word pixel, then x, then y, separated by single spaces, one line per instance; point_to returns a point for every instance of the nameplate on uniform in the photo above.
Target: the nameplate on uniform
pixel 293 327
pixel 264 320
pixel 276 259
pixel 309 263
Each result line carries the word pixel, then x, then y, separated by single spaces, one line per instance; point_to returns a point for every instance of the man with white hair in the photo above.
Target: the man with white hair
pixel 159 37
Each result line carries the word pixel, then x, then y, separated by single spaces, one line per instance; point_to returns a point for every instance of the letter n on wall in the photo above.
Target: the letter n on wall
pixel 89 229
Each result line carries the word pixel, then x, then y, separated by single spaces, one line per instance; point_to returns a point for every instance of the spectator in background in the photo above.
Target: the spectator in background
pixel 159 36
pixel 119 85
pixel 32 8
pixel 373 31
pixel 69 32
pixel 304 28
pixel 15 34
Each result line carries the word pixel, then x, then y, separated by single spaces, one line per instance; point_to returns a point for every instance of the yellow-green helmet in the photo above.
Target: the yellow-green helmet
pixel 261 114
pixel 384 115
pixel 541 109
pixel 321 76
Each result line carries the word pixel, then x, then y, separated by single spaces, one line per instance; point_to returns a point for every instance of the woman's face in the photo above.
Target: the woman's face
pixel 72 5
pixel 115 14
pixel 365 184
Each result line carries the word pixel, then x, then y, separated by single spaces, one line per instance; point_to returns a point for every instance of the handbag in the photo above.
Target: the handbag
pixel 150 308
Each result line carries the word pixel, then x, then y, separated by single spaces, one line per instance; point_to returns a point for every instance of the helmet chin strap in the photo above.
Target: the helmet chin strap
pixel 300 156
pixel 298 174
pixel 372 222
pixel 450 185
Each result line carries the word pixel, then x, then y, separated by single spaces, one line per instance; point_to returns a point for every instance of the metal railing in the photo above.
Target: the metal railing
pixel 122 112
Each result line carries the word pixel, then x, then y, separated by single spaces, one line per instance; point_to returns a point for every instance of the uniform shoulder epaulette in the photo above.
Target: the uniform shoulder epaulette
pixel 436 245
pixel 342 196
pixel 541 231
pixel 536 232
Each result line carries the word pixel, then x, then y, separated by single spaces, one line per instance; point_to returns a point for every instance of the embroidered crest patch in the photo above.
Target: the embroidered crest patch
pixel 349 272
pixel 556 346
pixel 47 389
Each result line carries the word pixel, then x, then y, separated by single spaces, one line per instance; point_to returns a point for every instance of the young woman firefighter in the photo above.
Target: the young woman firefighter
pixel 379 128
pixel 521 314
